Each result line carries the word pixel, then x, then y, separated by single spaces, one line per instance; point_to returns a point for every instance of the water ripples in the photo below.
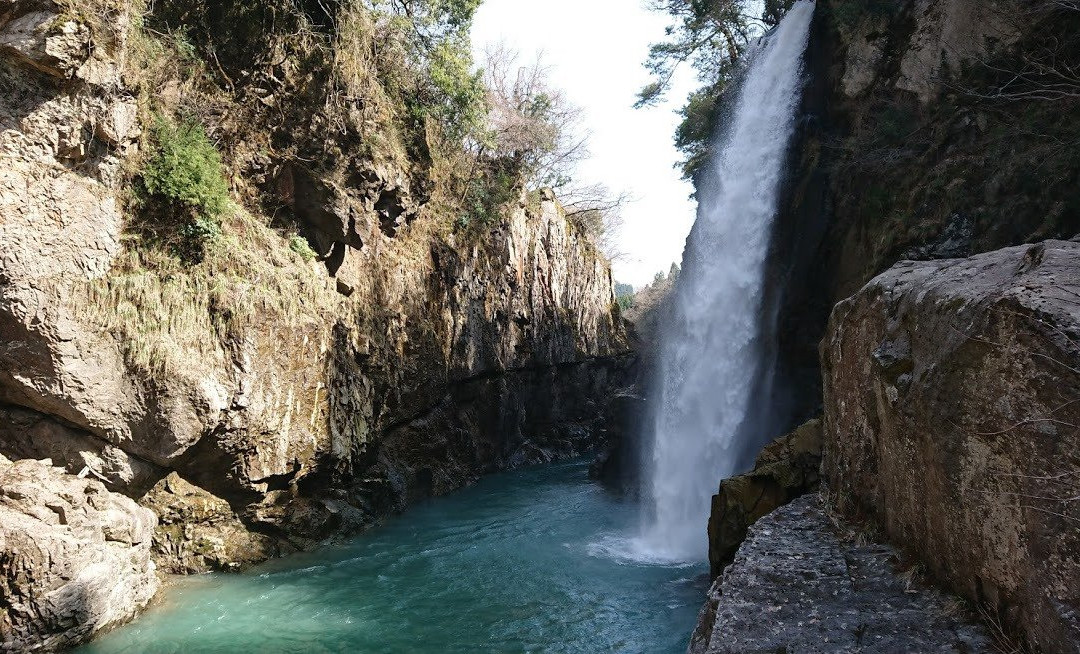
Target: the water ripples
pixel 531 561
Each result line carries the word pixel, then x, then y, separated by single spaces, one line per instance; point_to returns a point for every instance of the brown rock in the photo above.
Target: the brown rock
pixel 199 532
pixel 951 420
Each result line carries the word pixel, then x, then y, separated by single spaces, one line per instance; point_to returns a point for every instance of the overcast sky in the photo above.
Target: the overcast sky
pixel 595 49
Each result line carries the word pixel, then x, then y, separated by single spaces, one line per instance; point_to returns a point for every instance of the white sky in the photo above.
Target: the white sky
pixel 595 50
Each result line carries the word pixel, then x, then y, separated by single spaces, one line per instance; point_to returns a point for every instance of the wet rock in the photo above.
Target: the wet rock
pixel 950 419
pixel 74 557
pixel 954 242
pixel 616 463
pixel 798 585
pixel 785 469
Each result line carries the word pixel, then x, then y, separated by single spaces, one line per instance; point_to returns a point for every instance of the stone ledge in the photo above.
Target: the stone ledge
pixel 797 585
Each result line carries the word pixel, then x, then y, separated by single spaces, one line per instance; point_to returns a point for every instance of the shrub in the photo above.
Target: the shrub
pixel 299 245
pixel 186 168
pixel 184 171
pixel 488 191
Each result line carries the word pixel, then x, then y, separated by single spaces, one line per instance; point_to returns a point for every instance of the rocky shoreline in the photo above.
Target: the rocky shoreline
pixel 800 584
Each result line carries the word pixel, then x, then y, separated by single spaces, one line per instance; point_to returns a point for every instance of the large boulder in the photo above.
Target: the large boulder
pixel 787 468
pixel 74 557
pixel 951 413
pixel 801 584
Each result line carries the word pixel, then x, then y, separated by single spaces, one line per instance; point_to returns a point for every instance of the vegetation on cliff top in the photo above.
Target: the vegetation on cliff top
pixel 711 36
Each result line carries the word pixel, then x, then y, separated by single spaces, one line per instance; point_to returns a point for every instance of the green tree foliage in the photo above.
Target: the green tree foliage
pixel 457 96
pixel 434 20
pixel 437 40
pixel 185 167
pixel 711 36
pixel 624 295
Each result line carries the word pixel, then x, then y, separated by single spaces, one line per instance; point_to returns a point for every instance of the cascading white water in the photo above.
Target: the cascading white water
pixel 713 360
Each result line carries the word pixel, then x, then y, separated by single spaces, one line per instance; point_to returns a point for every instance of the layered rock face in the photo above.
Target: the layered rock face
pixel 259 401
pixel 951 421
pixel 800 585
pixel 74 557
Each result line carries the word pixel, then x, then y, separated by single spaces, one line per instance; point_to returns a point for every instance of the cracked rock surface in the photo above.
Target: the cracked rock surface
pixel 74 557
pixel 798 586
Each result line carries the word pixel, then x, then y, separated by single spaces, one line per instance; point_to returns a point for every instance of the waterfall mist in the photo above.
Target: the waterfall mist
pixel 712 400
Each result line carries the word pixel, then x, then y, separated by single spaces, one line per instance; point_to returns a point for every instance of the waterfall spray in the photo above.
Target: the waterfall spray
pixel 714 365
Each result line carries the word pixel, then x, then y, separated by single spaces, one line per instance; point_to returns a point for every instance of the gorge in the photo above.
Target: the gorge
pixel 300 351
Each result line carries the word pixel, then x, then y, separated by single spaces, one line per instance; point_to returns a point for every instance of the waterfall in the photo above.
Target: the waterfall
pixel 715 362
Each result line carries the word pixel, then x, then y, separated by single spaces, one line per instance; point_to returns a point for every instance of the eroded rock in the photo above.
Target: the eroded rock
pixel 951 419
pixel 199 532
pixel 785 469
pixel 74 557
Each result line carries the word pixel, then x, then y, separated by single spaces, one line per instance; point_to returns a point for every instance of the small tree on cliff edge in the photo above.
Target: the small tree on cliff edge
pixel 710 35
pixel 532 124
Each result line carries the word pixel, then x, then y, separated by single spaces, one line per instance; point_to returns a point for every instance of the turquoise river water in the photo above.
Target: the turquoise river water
pixel 525 561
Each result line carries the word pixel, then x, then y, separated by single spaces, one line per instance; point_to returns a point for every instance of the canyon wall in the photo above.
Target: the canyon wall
pixel 951 424
pixel 343 348
pixel 906 151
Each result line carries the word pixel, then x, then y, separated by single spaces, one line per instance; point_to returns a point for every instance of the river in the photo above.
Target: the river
pixel 520 562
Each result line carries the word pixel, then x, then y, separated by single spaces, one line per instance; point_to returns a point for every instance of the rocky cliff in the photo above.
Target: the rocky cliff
pixel 926 133
pixel 951 422
pixel 344 346
pixel 934 131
